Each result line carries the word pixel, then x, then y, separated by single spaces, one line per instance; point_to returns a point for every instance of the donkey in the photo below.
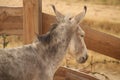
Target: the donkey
pixel 40 60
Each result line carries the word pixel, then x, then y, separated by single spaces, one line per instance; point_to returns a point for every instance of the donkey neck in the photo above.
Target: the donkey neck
pixel 55 46
pixel 56 51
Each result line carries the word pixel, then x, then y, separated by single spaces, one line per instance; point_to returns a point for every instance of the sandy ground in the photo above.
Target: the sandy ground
pixel 95 12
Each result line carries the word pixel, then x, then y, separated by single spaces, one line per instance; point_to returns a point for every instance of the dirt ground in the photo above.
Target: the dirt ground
pixel 106 68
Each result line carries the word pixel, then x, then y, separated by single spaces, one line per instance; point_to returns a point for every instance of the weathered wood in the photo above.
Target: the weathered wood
pixel 102 43
pixel 11 21
pixel 95 40
pixel 69 74
pixel 12 32
pixel 40 17
pixel 12 11
pixel 31 19
pixel 47 20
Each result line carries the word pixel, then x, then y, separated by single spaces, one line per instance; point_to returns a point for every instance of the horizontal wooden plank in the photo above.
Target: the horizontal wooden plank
pixel 11 23
pixel 68 74
pixel 100 42
pixel 11 19
pixel 12 32
pixel 12 11
pixel 47 20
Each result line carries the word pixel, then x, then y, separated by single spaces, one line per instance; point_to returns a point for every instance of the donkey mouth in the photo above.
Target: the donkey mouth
pixel 81 61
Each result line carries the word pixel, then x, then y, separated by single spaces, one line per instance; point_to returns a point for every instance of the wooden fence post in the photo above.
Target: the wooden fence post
pixel 31 19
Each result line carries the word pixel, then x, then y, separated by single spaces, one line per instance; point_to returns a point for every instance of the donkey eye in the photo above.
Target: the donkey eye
pixel 70 18
pixel 82 35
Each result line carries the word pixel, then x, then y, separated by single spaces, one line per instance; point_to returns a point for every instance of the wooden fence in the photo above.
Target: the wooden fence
pixel 11 20
pixel 64 73
pixel 32 19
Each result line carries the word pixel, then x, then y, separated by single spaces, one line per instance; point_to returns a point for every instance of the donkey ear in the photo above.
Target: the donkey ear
pixel 80 16
pixel 59 16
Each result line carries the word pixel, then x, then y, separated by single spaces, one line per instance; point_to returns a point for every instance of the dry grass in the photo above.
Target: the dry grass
pixel 101 2
pixel 106 2
pixel 14 41
pixel 11 3
pixel 112 28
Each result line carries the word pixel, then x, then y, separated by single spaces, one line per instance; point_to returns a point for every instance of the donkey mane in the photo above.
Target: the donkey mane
pixel 46 38
pixel 53 26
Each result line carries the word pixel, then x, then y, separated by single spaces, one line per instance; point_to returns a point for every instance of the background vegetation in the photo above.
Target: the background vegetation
pixel 103 2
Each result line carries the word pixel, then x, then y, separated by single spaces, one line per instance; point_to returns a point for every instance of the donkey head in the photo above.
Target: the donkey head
pixel 77 46
pixel 72 23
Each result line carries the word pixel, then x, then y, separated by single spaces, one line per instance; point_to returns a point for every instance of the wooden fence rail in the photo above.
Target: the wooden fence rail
pixel 11 20
pixel 64 73
pixel 95 40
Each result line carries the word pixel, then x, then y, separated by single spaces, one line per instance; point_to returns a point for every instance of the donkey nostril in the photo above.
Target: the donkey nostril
pixel 83 59
pixel 86 57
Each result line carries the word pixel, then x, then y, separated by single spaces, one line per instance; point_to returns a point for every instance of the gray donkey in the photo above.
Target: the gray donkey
pixel 40 60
